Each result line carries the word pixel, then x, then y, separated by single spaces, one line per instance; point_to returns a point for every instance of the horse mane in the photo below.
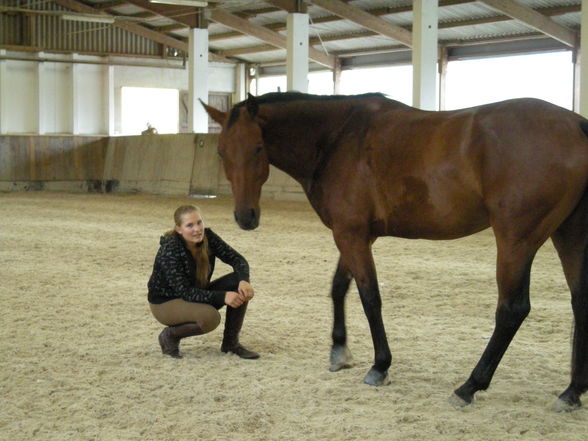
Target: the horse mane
pixel 281 97
pixel 288 97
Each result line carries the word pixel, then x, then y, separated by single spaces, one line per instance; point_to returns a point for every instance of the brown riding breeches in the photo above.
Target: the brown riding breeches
pixel 178 311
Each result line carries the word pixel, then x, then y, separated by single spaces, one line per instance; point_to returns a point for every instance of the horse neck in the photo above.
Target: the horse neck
pixel 294 134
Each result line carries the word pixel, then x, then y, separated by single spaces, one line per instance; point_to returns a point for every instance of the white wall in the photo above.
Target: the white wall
pixel 91 100
pixel 42 97
pixel 56 98
pixel 20 97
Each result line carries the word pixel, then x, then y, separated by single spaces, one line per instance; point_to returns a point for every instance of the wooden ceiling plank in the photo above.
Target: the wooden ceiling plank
pixel 108 5
pixel 247 50
pixel 265 35
pixel 549 11
pixel 185 15
pixel 170 28
pixel 533 19
pixel 289 5
pixel 366 20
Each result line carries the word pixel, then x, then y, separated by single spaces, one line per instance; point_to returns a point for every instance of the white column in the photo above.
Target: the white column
pixel 75 95
pixel 3 88
pixel 583 104
pixel 198 80
pixel 109 100
pixel 337 77
pixel 424 54
pixel 297 52
pixel 41 97
pixel 443 62
pixel 240 81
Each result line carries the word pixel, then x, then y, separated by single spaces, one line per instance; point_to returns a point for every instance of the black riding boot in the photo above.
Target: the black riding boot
pixel 170 337
pixel 233 324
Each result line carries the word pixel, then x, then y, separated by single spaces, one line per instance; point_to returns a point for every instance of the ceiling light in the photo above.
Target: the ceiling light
pixel 181 3
pixel 88 18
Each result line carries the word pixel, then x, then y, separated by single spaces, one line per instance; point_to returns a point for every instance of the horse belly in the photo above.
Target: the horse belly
pixel 425 213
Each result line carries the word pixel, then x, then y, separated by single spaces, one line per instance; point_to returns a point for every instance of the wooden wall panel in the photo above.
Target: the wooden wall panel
pixel 179 164
pixel 207 167
pixel 52 158
pixel 152 163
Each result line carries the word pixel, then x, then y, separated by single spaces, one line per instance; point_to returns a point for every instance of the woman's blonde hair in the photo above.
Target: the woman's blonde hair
pixel 201 256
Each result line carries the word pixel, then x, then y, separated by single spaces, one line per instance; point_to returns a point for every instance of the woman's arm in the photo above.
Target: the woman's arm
pixel 228 255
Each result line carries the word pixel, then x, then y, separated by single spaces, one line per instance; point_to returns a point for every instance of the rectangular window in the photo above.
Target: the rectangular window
pixel 144 107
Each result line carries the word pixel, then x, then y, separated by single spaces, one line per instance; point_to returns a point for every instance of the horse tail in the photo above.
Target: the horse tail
pixel 584 126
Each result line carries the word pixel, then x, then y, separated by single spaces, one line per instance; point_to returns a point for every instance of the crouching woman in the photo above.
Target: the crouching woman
pixel 181 295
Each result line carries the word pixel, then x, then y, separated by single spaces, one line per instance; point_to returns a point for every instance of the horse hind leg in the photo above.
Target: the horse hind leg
pixel 571 243
pixel 513 277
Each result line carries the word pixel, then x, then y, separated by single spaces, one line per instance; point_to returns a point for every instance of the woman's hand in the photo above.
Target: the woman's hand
pixel 233 299
pixel 245 290
pixel 244 294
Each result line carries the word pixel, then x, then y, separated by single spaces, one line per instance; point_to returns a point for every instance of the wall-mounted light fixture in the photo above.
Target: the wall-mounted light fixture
pixel 87 18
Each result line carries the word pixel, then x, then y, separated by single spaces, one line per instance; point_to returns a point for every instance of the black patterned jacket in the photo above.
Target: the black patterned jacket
pixel 174 270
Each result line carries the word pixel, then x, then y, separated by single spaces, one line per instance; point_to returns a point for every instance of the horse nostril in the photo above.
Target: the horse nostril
pixel 252 214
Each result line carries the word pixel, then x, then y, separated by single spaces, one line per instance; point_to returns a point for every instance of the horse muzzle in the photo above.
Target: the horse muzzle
pixel 248 218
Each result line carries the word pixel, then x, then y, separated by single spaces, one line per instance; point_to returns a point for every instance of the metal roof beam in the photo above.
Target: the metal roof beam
pixel 533 19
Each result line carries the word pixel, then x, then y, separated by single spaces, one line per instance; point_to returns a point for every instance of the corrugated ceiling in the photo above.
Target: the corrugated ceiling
pixel 153 30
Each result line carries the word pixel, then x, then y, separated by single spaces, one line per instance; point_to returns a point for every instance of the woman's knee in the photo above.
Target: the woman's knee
pixel 209 321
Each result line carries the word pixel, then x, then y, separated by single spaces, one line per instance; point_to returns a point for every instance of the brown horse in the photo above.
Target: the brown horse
pixel 374 167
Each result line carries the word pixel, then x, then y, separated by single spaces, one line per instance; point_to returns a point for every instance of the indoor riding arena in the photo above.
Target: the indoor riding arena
pixel 83 205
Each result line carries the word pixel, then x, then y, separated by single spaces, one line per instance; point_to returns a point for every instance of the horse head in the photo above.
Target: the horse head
pixel 244 158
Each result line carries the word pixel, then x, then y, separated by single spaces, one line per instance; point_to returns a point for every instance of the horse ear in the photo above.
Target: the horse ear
pixel 252 105
pixel 215 114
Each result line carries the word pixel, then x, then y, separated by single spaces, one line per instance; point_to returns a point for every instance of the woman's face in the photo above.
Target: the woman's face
pixel 192 228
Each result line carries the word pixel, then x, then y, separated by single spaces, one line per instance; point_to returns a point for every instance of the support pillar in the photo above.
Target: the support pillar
pixel 241 87
pixel 443 62
pixel 3 88
pixel 337 77
pixel 198 80
pixel 110 112
pixel 583 61
pixel 424 54
pixel 257 77
pixel 75 95
pixel 41 96
pixel 297 52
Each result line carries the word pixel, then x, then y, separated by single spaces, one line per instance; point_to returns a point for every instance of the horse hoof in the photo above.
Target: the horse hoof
pixel 457 401
pixel 561 406
pixel 340 358
pixel 376 378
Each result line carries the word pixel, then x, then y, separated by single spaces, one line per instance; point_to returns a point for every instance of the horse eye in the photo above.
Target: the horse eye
pixel 258 149
pixel 221 154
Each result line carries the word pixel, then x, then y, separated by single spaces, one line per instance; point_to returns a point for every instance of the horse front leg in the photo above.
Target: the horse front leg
pixel 340 355
pixel 356 256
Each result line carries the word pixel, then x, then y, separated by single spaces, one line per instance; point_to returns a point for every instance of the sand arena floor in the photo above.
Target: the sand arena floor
pixel 80 359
